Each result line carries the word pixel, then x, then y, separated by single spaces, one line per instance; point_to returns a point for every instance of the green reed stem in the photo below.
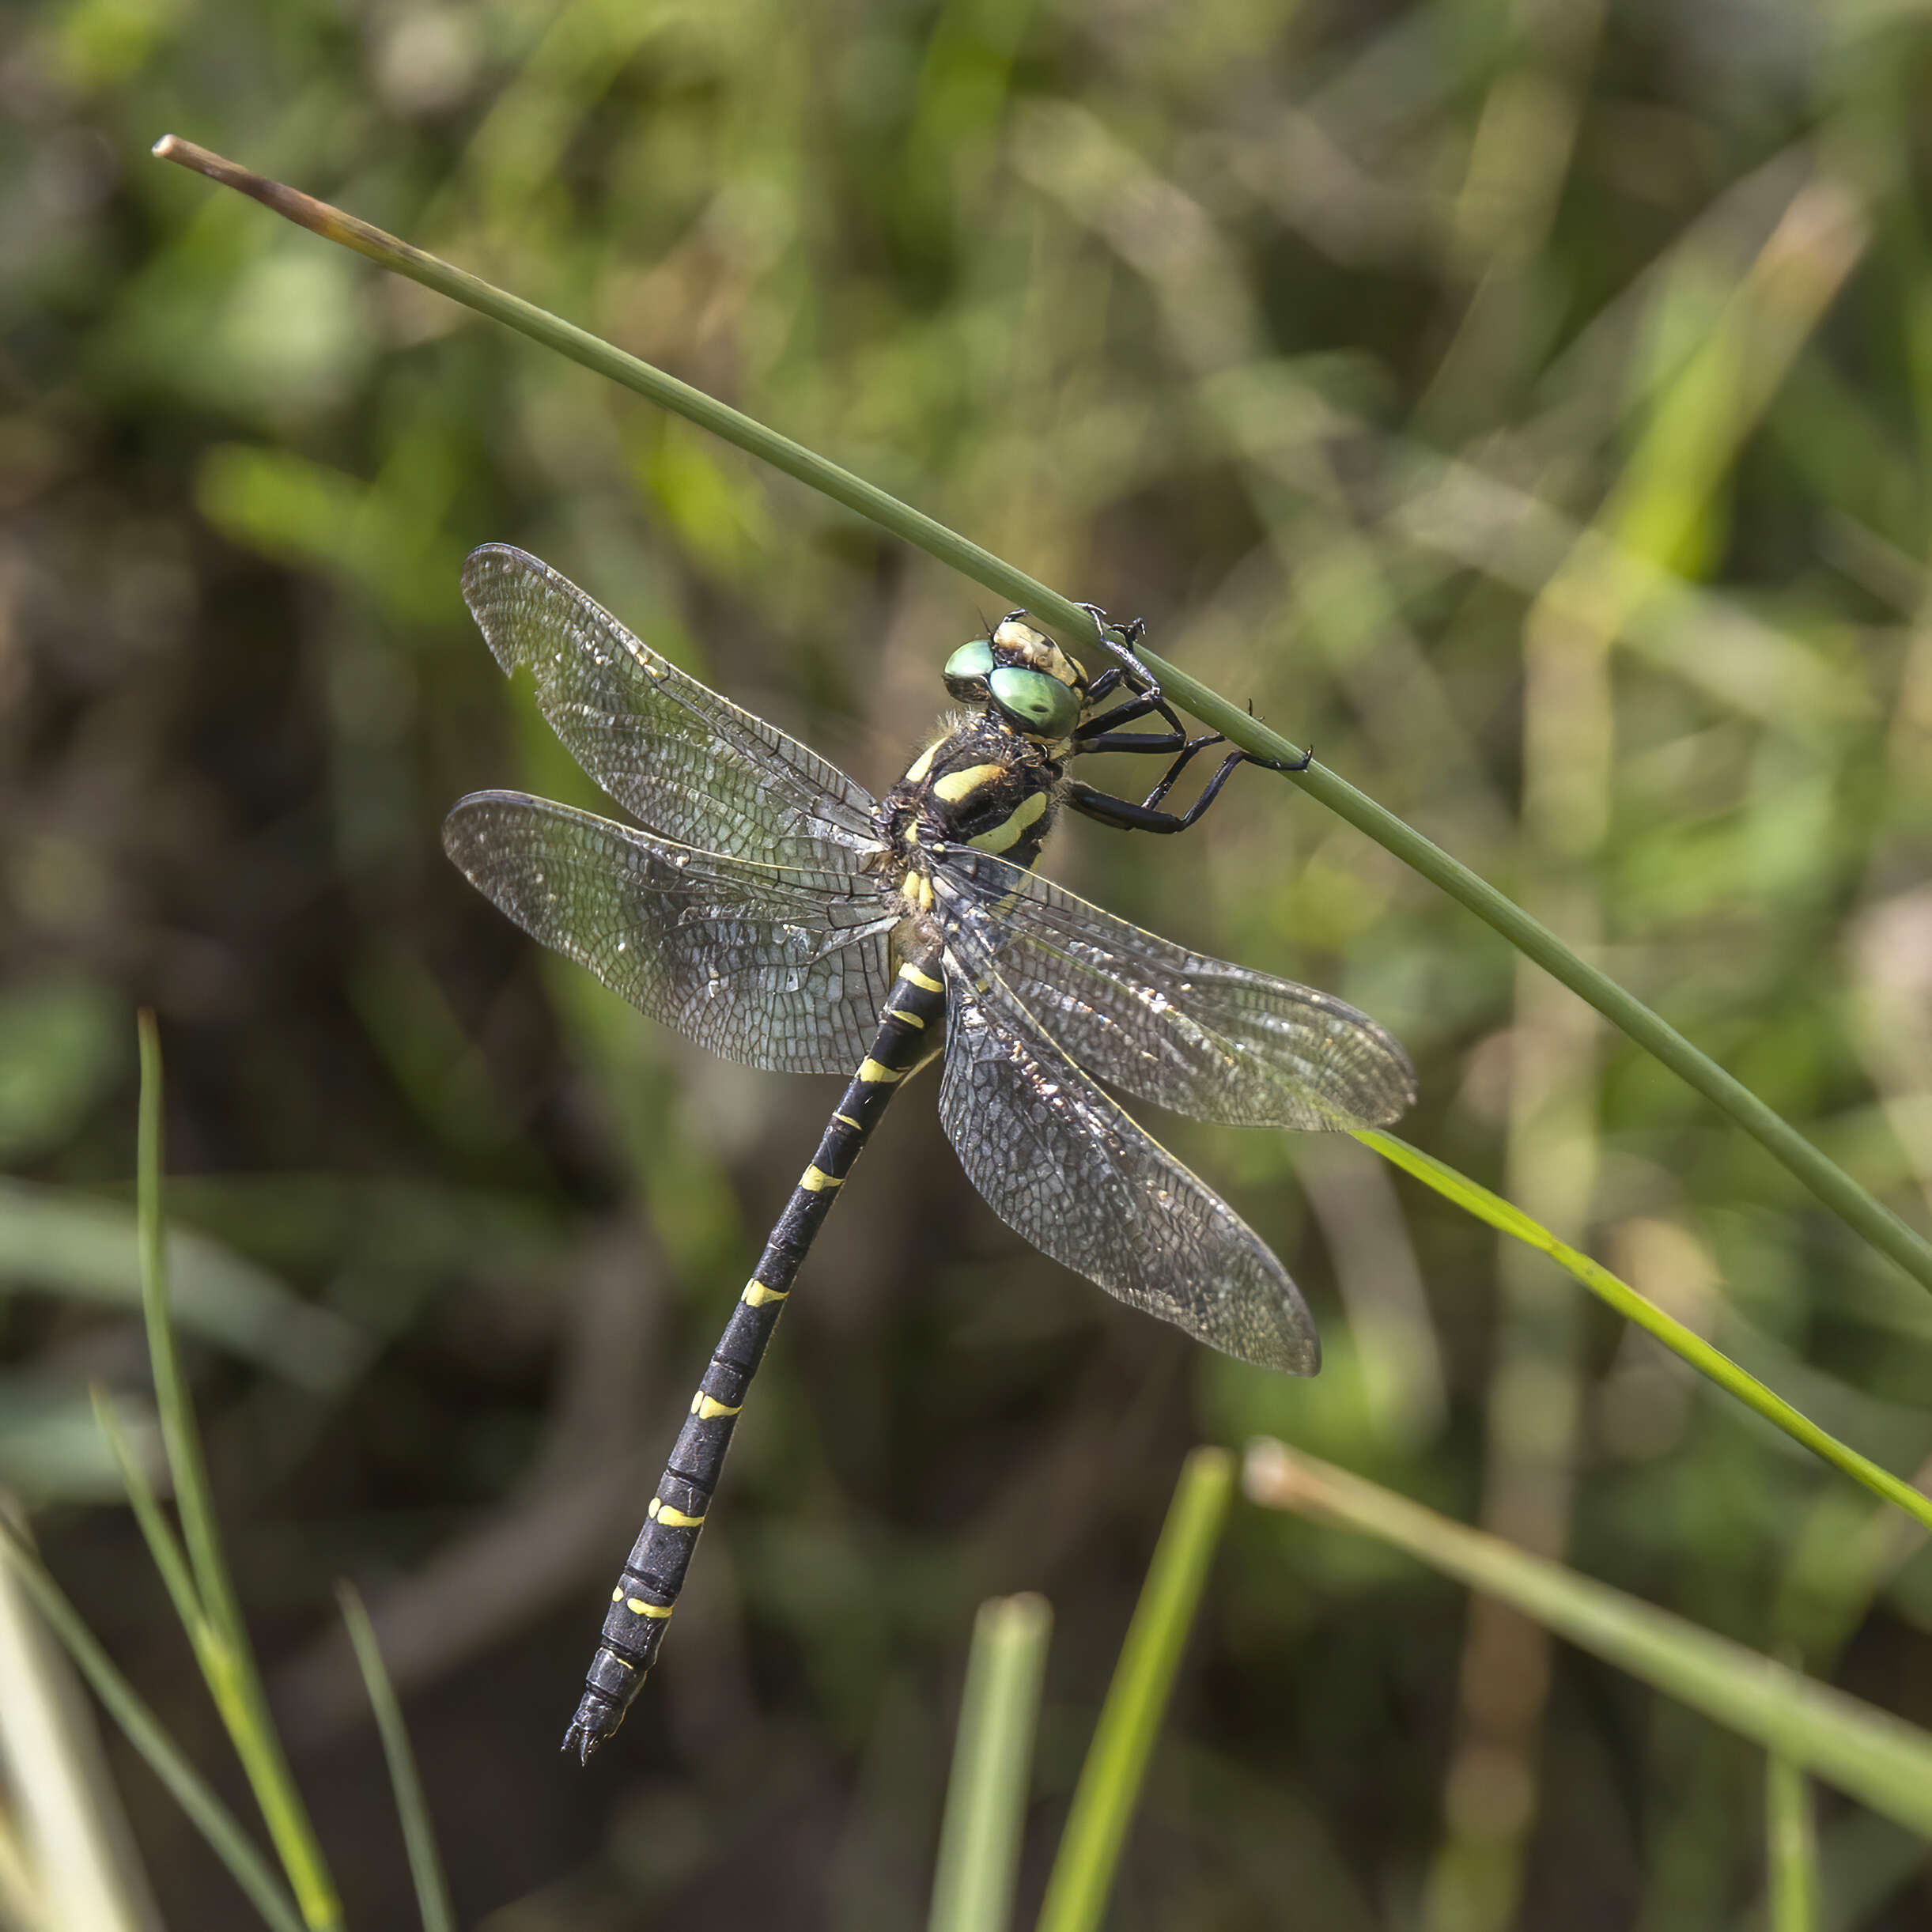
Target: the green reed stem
pixel 1859 1209
pixel 1684 1342
pixel 425 1862
pixel 1136 1701
pixel 993 1763
pixel 218 1635
pixel 1878 1759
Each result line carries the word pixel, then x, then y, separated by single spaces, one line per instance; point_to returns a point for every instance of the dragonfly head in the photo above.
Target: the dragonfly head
pixel 1022 674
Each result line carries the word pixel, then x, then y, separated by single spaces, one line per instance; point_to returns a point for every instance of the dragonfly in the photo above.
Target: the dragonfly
pixel 770 907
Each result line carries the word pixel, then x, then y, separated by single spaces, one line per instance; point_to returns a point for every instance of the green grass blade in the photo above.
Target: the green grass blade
pixel 163 1547
pixel 179 1430
pixel 1130 1719
pixel 1858 1208
pixel 227 1659
pixel 425 1862
pixel 992 1761
pixel 1867 1753
pixel 209 1816
pixel 1791 1848
pixel 1682 1341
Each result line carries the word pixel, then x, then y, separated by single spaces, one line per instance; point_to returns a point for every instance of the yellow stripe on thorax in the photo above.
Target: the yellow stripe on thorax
pixel 1012 828
pixel 957 786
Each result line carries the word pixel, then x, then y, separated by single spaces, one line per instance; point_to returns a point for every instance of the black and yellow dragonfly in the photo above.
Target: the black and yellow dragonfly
pixel 773 910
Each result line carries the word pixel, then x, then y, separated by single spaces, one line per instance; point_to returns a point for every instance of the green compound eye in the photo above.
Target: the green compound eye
pixel 968 666
pixel 1040 706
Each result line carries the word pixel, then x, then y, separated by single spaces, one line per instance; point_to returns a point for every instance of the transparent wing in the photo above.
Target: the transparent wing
pixel 1060 1163
pixel 775 967
pixel 1197 1034
pixel 686 762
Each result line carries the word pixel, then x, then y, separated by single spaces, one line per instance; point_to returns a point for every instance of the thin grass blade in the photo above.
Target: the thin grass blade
pixel 227 1659
pixel 1681 1340
pixel 1858 1208
pixel 425 1862
pixel 163 1546
pixel 1130 1719
pixel 179 1430
pixel 993 1762
pixel 1791 1848
pixel 744 431
pixel 209 1816
pixel 1867 1753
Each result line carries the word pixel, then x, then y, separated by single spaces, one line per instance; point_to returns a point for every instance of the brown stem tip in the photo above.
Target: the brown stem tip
pixel 303 209
pixel 1271 1475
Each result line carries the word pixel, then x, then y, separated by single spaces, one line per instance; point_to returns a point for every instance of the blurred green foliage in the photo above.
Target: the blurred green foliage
pixel 1525 401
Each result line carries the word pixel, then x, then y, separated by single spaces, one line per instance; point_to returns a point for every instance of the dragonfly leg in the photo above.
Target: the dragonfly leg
pixel 1093 735
pixel 1120 642
pixel 1102 734
pixel 1147 816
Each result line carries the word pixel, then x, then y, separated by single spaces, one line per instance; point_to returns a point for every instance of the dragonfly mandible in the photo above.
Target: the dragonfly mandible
pixel 770 909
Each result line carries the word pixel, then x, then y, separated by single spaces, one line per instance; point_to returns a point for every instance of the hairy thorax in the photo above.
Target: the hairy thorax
pixel 979 783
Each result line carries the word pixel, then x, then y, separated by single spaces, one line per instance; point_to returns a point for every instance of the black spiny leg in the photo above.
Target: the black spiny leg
pixel 1143 700
pixel 1102 734
pixel 1125 816
pixel 1129 668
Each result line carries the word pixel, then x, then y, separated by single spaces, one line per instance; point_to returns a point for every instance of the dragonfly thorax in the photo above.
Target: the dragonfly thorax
pixel 980 783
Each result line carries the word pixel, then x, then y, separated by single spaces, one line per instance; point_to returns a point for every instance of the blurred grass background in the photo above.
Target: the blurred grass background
pixel 1524 400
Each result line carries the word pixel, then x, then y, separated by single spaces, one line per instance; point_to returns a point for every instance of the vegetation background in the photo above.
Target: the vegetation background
pixel 1524 400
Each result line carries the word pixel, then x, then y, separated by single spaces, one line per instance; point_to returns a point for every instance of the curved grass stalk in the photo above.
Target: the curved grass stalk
pixel 1876 1758
pixel 1852 1204
pixel 199 1582
pixel 1791 1848
pixel 1137 1700
pixel 1684 1342
pixel 425 1862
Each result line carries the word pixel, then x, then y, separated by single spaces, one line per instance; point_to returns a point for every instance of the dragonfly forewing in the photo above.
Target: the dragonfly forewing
pixel 686 762
pixel 778 966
